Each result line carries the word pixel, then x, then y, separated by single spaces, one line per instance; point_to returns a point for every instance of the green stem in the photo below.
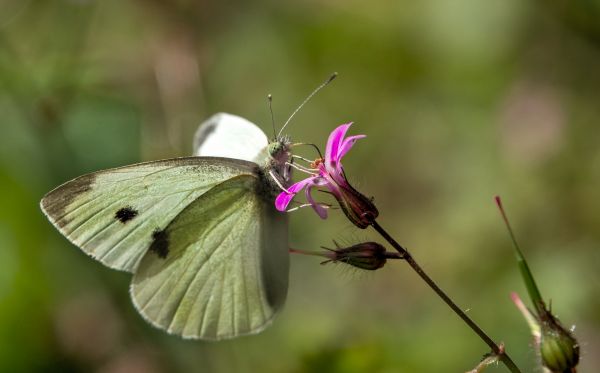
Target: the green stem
pixel 532 289
pixel 498 351
pixel 307 252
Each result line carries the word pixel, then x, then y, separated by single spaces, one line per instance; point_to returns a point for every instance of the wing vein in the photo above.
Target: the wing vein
pixel 86 220
pixel 178 281
pixel 195 277
pixel 96 234
pixel 259 284
pixel 220 307
pixel 232 302
pixel 245 293
pixel 63 216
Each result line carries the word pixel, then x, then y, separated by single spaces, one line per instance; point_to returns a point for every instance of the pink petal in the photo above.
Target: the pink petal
pixel 334 176
pixel 347 145
pixel 320 210
pixel 284 198
pixel 334 141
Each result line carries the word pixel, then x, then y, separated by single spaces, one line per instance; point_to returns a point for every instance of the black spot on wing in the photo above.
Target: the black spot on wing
pixel 125 214
pixel 160 243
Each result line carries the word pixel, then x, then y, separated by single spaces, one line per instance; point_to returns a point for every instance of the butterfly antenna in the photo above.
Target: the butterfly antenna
pixel 270 98
pixel 306 100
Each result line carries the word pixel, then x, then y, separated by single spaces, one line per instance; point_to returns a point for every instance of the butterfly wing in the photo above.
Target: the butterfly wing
pixel 230 136
pixel 113 215
pixel 220 268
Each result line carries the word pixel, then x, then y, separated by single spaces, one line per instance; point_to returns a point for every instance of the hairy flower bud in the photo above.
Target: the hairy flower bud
pixel 558 346
pixel 559 349
pixel 359 209
pixel 365 255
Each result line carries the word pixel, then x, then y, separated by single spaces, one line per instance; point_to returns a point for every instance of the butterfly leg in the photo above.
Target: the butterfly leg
pixel 324 205
pixel 278 182
pixel 302 158
pixel 302 168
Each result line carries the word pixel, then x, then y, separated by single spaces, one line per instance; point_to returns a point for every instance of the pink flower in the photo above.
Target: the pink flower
pixel 330 175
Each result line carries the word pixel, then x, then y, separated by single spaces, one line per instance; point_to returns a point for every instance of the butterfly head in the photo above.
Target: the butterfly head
pixel 279 150
pixel 278 166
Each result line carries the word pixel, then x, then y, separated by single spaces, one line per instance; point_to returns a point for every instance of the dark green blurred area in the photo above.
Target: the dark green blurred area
pixel 460 99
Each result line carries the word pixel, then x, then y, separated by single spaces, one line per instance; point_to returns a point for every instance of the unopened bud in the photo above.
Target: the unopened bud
pixel 366 255
pixel 558 346
pixel 358 208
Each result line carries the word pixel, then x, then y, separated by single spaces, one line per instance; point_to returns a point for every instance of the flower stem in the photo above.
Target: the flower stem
pixel 497 350
pixel 532 289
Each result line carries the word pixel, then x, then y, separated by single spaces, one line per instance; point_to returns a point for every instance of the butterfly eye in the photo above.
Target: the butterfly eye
pixel 275 148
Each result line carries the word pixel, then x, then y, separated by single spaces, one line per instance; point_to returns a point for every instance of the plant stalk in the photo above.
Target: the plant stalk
pixel 404 254
pixel 532 288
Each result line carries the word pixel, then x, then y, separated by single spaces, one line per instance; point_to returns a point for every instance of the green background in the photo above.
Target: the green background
pixel 460 100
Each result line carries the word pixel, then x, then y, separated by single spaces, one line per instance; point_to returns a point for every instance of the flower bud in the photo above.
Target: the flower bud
pixel 558 346
pixel 359 209
pixel 366 255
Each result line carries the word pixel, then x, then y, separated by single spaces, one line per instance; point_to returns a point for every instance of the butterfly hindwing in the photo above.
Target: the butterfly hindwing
pixel 116 214
pixel 220 268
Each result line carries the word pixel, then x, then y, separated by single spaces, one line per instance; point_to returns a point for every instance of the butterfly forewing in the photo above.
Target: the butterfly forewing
pixel 221 267
pixel 114 215
pixel 231 136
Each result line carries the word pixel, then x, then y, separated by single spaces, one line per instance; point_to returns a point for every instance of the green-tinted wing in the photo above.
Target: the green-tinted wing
pixel 113 215
pixel 220 269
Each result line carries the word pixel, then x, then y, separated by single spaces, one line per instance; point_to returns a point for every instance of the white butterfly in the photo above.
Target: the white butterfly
pixel 207 249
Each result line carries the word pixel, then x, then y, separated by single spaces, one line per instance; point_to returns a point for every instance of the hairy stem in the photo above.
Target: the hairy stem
pixel 497 350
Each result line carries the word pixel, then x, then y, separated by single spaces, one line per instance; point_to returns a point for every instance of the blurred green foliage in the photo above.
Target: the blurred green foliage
pixel 460 99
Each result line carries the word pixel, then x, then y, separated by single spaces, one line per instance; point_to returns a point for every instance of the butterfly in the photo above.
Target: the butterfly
pixel 207 249
pixel 201 235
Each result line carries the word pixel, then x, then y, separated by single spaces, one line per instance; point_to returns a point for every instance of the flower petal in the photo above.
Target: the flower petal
pixel 320 210
pixel 347 145
pixel 334 176
pixel 333 143
pixel 284 198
